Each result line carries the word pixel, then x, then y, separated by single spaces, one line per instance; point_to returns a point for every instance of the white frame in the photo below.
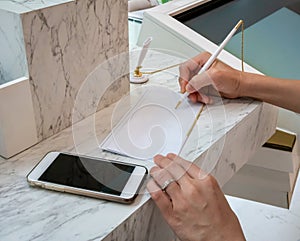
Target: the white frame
pixel 128 194
pixel 192 43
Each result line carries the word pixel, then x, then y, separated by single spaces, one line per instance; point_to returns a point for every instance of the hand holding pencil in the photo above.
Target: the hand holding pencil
pixel 194 69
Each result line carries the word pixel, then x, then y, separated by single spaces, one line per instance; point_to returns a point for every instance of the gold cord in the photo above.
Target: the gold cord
pixel 195 121
pixel 159 70
pixel 242 46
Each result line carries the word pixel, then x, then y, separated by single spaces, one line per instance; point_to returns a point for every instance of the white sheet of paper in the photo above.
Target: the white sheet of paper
pixel 152 126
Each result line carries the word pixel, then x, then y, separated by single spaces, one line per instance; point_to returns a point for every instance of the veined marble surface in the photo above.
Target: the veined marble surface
pixel 24 6
pixel 34 214
pixel 58 45
pixel 64 44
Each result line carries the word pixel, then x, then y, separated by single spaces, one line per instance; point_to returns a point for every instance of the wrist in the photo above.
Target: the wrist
pixel 234 231
pixel 252 85
pixel 244 84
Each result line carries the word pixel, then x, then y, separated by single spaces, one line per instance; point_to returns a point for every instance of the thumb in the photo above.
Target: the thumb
pixel 198 82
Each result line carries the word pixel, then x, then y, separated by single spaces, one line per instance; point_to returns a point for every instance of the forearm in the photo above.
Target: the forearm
pixel 280 92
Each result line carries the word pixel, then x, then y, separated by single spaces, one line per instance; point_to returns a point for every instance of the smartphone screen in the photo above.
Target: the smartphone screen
pixel 87 173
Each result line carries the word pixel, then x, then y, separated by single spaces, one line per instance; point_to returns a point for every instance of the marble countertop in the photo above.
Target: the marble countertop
pixel 35 214
pixel 24 6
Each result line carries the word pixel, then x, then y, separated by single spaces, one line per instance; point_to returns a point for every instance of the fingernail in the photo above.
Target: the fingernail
pixel 158 157
pixel 189 88
pixel 171 155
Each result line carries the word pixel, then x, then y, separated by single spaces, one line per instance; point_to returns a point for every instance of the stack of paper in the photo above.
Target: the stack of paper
pixel 152 125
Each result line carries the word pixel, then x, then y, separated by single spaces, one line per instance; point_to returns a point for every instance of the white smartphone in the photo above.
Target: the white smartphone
pixel 88 176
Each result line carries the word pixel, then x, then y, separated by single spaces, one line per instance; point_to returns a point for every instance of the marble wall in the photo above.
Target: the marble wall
pixel 57 45
pixel 76 37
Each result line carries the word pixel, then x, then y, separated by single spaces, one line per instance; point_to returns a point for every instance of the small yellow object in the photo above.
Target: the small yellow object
pixel 281 140
pixel 137 72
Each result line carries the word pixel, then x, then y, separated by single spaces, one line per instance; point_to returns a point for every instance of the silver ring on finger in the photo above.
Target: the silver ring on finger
pixel 167 183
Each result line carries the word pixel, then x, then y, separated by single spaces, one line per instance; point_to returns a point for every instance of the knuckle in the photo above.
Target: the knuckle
pixel 181 66
pixel 193 191
pixel 156 196
pixel 212 182
pixel 216 73
pixel 180 209
pixel 205 54
pixel 155 172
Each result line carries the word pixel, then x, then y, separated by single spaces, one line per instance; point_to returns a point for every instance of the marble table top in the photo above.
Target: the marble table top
pixel 35 214
pixel 266 222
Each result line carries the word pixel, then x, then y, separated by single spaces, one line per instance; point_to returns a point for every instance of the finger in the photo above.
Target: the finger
pixel 188 69
pixel 182 84
pixel 193 97
pixel 204 98
pixel 175 170
pixel 198 82
pixel 199 97
pixel 160 176
pixel 160 198
pixel 196 63
pixel 202 58
pixel 193 170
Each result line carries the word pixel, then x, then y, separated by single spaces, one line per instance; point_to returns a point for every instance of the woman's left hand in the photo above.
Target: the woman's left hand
pixel 192 202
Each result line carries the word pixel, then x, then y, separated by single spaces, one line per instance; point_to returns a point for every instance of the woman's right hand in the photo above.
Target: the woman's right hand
pixel 225 79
